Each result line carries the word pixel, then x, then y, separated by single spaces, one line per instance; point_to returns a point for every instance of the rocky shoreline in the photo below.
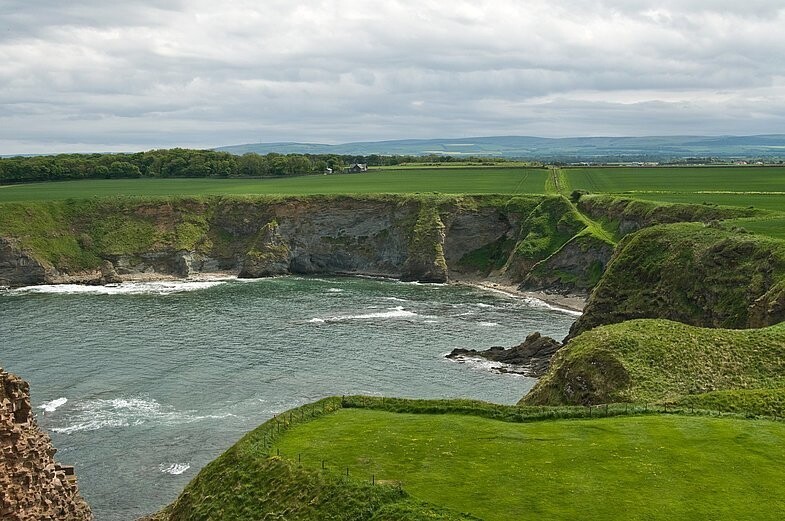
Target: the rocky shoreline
pixel 567 301
pixel 530 358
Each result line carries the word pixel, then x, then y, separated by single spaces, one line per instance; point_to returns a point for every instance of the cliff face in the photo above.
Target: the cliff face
pixel 33 487
pixel 422 238
pixel 18 267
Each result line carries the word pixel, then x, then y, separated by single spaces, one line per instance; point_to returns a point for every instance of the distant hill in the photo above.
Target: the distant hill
pixel 655 148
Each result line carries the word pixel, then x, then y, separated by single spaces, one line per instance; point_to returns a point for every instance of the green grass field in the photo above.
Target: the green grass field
pixel 768 201
pixel 478 180
pixel 650 467
pixel 771 226
pixel 759 187
pixel 678 179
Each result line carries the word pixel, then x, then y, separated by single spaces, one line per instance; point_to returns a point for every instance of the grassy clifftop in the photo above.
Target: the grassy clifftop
pixel 660 360
pixel 437 458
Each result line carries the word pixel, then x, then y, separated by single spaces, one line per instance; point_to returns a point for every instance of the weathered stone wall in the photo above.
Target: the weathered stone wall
pixel 33 487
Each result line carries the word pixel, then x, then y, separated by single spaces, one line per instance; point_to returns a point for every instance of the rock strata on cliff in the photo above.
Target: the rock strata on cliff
pixel 33 486
pixel 530 358
pixel 17 266
pixel 427 238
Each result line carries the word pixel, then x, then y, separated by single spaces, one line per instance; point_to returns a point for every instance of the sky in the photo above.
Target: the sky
pixel 92 75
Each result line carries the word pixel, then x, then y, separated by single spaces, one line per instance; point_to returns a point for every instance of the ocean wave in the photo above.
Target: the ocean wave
pixel 395 299
pixel 125 288
pixel 334 290
pixel 52 406
pixel 92 415
pixel 537 303
pixel 175 469
pixel 391 313
pixel 488 366
pixel 489 324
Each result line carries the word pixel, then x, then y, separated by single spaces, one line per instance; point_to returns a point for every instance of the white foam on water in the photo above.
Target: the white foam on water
pixel 481 364
pixel 53 405
pixel 92 415
pixel 334 290
pixel 489 324
pixel 125 288
pixel 395 299
pixel 531 301
pixel 391 313
pixel 482 305
pixel 175 469
pixel 537 303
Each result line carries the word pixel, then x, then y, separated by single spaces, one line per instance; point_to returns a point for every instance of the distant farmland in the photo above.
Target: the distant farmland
pixel 473 180
pixel 678 179
pixel 760 187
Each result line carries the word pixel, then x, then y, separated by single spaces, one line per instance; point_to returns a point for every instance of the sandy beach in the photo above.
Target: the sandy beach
pixel 570 302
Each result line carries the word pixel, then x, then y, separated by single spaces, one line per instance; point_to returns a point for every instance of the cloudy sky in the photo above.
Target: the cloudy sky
pixel 92 75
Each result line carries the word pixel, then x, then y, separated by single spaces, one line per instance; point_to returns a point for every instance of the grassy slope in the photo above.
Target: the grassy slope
pixel 478 180
pixel 660 360
pixel 617 468
pixel 696 274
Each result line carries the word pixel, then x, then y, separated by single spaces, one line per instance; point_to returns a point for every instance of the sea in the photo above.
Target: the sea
pixel 141 384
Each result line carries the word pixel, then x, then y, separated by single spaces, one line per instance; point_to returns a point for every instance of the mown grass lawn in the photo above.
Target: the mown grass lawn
pixel 649 467
pixel 477 180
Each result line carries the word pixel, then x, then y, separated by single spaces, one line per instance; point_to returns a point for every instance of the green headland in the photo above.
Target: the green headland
pixel 665 402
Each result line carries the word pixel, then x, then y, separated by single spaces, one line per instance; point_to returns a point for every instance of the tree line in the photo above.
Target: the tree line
pixel 179 162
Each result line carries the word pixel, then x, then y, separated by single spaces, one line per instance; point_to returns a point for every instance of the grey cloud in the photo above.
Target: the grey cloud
pixel 161 73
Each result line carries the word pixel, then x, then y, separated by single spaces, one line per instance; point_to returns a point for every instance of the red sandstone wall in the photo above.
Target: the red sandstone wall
pixel 32 485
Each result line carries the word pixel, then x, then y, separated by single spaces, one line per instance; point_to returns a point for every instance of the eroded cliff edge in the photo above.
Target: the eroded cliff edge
pixel 431 238
pixel 33 486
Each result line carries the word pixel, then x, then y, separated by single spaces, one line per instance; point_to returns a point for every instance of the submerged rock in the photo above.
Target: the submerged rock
pixel 530 358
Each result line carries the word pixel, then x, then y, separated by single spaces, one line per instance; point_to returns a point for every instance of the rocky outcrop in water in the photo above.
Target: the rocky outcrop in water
pixel 33 486
pixel 530 358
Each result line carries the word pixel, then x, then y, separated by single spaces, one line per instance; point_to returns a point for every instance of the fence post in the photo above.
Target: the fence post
pixel 299 458
pixel 279 451
pixel 347 472
pixel 373 479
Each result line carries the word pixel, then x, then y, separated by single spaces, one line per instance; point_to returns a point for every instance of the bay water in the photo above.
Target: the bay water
pixel 142 384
